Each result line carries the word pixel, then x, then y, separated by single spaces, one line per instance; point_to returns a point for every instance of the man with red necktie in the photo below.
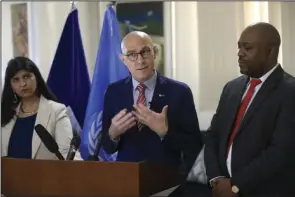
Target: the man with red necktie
pixel 148 116
pixel 250 147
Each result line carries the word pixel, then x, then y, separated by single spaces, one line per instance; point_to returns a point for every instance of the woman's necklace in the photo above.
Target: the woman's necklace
pixel 28 113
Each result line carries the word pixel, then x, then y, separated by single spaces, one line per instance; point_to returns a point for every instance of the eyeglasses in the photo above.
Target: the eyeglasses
pixel 134 56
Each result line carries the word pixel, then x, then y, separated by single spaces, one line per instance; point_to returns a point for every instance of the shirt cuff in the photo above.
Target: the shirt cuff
pixel 215 179
pixel 116 140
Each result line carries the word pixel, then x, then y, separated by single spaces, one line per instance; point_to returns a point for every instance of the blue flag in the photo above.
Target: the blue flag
pixel 68 78
pixel 108 69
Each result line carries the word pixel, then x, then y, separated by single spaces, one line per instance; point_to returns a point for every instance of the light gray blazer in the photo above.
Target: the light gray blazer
pixel 53 116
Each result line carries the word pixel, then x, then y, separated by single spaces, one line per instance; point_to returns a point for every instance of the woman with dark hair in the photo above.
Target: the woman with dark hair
pixel 26 102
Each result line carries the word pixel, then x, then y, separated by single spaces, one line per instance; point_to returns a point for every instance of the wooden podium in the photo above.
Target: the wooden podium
pixel 22 177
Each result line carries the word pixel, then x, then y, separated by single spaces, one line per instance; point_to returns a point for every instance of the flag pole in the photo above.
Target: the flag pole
pixel 113 4
pixel 73 5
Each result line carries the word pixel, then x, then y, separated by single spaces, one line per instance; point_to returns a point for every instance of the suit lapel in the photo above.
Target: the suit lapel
pixel 235 97
pixel 43 115
pixel 6 133
pixel 127 91
pixel 266 88
pixel 159 97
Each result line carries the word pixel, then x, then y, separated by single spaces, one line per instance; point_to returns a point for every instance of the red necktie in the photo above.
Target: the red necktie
pixel 141 99
pixel 242 110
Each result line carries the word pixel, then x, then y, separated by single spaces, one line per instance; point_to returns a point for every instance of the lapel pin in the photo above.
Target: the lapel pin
pixel 161 95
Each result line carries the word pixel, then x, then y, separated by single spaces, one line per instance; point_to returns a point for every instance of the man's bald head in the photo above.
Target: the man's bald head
pixel 135 35
pixel 267 32
pixel 139 54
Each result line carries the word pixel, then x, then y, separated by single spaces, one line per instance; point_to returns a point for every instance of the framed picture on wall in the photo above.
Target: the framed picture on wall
pixel 147 17
pixel 19 26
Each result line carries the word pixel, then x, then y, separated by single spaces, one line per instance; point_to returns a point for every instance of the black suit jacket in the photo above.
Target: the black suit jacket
pixel 183 140
pixel 263 151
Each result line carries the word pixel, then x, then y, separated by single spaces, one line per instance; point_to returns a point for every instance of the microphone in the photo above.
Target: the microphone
pixel 48 141
pixel 75 143
pixel 94 157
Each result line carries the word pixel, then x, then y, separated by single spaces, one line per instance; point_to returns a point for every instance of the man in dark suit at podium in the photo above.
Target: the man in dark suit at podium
pixel 148 117
pixel 250 149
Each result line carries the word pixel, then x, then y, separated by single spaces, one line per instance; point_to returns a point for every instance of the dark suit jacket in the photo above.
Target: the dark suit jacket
pixel 183 137
pixel 263 151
